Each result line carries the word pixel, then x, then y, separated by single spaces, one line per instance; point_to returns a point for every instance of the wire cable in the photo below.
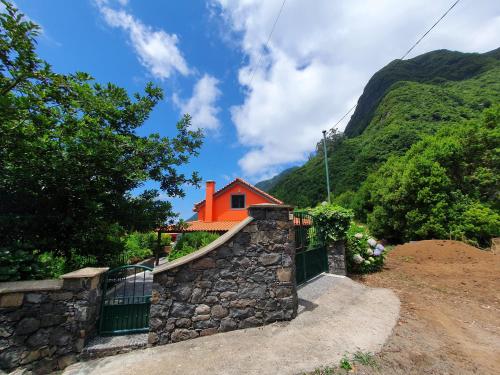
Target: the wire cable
pixel 408 52
pixel 267 42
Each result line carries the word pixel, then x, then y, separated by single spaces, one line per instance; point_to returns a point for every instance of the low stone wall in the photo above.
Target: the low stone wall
pixel 244 279
pixel 336 258
pixel 44 324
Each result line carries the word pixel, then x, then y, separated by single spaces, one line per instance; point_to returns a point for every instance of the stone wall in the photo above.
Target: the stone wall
pixel 336 258
pixel 44 324
pixel 244 279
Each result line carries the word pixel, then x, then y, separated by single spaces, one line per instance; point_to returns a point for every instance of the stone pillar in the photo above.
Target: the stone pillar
pixel 336 258
pixel 86 284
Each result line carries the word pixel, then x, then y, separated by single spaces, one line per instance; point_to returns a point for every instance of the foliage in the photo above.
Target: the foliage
pixel 363 254
pixel 432 67
pixel 139 246
pixel 331 222
pixel 445 186
pixel 190 242
pixel 345 363
pixel 366 359
pixel 409 112
pixel 70 155
pixel 426 166
pixel 17 262
pixel 51 266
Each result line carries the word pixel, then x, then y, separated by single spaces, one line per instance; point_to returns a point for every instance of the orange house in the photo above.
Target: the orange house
pixel 224 208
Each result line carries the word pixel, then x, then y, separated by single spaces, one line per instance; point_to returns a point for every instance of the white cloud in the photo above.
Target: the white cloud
pixel 202 104
pixel 320 57
pixel 156 49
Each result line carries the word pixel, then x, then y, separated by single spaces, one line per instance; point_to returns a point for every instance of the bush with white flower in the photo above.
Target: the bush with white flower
pixel 363 253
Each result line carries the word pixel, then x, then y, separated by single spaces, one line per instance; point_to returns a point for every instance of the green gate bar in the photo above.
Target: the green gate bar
pixel 125 305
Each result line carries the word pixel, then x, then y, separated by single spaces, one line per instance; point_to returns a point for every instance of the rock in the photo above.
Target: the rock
pixel 283 292
pixel 52 320
pixel 225 285
pixel 198 318
pixel 270 259
pixel 152 338
pixel 213 299
pixel 34 297
pixel 60 337
pixel 183 323
pixel 197 295
pixel 202 309
pixel 219 312
pixel 183 334
pixel 11 300
pixel 227 324
pixel 30 357
pixel 10 358
pixel 82 313
pixel 241 313
pixel 182 310
pixel 208 331
pixel 5 332
pixel 252 291
pixel 64 296
pixel 228 295
pixel 182 292
pixel 203 264
pixel 155 323
pixel 250 322
pixel 240 303
pixel 27 326
pixel 284 275
pixel 65 361
pixel 39 339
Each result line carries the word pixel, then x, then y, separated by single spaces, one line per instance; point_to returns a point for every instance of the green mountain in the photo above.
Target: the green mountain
pixel 267 185
pixel 433 67
pixel 402 103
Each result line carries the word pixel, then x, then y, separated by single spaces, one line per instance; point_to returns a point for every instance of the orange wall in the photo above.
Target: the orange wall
pixel 222 210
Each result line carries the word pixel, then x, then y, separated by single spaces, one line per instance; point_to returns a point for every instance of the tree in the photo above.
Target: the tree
pixel 70 155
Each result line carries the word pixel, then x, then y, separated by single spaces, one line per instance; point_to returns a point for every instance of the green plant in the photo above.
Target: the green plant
pixel 51 265
pixel 331 222
pixel 18 262
pixel 190 242
pixel 345 363
pixel 71 154
pixel 363 254
pixel 366 359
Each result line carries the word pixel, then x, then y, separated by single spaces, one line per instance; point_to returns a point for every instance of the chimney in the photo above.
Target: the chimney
pixel 209 201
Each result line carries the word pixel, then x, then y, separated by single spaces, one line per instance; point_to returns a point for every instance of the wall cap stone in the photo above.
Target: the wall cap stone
pixel 83 273
pixel 30 286
pixel 206 249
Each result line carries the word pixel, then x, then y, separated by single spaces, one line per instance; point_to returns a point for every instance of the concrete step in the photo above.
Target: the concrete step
pixel 102 346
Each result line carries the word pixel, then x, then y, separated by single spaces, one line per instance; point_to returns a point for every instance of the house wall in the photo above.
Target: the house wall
pixel 244 279
pixel 222 210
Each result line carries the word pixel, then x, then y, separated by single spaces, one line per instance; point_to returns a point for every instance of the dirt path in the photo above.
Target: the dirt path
pixel 450 310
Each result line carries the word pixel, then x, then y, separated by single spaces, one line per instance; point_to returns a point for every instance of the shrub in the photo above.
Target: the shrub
pixel 363 253
pixel 190 242
pixel 331 222
pixel 17 262
pixel 51 265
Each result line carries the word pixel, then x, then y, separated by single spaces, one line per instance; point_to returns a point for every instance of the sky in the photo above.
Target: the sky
pixel 262 102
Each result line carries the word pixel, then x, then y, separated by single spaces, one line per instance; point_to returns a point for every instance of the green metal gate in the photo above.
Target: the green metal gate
pixel 311 256
pixel 126 300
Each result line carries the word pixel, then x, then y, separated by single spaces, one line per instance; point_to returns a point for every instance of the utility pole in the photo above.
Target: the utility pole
pixel 326 167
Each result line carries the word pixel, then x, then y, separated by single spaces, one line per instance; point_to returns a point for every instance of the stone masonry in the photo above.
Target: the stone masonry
pixel 336 258
pixel 244 279
pixel 44 324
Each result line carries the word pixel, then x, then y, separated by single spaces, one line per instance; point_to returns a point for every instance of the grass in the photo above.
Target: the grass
pixel 346 365
pixel 365 359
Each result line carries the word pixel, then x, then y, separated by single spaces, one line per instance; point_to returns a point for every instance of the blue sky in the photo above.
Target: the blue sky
pixel 262 109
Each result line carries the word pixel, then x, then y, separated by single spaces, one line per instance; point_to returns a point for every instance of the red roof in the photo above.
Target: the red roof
pixel 248 185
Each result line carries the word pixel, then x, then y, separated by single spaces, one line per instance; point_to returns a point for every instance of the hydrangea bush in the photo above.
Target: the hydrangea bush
pixel 363 253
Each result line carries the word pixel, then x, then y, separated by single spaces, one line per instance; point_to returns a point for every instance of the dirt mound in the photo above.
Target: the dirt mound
pixel 450 318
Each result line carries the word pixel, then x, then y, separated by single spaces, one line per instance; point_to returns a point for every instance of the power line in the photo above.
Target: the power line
pixel 268 39
pixel 407 52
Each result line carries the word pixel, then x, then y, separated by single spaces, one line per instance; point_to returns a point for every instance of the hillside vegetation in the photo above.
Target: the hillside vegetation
pixel 411 120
